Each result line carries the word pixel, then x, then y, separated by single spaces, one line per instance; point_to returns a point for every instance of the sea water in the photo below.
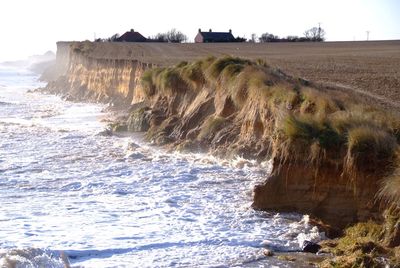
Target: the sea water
pixel 70 195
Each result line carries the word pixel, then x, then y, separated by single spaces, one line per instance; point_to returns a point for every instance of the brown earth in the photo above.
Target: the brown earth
pixel 370 68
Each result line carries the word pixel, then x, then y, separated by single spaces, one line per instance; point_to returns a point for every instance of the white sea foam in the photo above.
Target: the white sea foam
pixel 32 257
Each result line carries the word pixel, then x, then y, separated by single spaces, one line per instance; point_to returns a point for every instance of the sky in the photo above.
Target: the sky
pixel 30 27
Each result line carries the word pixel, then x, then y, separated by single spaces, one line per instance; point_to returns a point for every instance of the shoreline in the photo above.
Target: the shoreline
pixel 197 106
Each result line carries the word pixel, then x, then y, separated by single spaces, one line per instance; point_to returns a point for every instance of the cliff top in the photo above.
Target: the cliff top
pixel 370 69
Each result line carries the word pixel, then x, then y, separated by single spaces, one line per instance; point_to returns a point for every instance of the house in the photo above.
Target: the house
pixel 131 36
pixel 214 37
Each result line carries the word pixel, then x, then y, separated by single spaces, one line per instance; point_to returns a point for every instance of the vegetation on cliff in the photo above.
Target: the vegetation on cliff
pixel 318 124
pixel 236 106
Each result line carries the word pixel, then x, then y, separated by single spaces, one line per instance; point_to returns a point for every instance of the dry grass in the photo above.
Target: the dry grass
pixel 193 75
pixel 310 121
pixel 390 189
pixel 318 103
pixel 229 65
pixel 368 143
pixel 311 129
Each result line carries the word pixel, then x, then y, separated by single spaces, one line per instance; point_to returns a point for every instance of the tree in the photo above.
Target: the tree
pixel 172 36
pixel 253 38
pixel 113 38
pixel 240 39
pixel 292 38
pixel 316 34
pixel 175 36
pixel 267 37
pixel 160 37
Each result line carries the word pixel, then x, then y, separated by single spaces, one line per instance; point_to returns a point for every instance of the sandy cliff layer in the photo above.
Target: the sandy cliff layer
pixel 78 76
pixel 330 154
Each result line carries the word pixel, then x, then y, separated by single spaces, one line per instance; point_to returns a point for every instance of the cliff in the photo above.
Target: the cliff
pixel 332 154
pixel 79 76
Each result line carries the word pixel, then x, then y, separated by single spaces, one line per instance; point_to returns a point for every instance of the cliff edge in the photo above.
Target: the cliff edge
pixel 334 157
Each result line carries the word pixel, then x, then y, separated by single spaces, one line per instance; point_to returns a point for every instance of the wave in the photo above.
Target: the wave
pixel 33 257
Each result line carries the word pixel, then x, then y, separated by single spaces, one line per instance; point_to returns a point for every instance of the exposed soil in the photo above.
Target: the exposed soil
pixel 371 67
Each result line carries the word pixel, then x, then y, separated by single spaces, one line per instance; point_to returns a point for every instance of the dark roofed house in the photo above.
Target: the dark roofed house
pixel 214 37
pixel 132 36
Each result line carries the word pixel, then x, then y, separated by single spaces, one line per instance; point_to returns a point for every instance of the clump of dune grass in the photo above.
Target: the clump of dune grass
pixel 170 80
pixel 390 188
pixel 181 64
pixel 311 129
pixel 193 75
pixel 368 149
pixel 231 64
pixel 148 83
pixel 317 103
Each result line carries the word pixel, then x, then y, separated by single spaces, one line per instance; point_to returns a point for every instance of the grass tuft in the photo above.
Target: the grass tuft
pixel 390 189
pixel 193 75
pixel 309 129
pixel 317 103
pixel 366 144
pixel 233 64
pixel 170 80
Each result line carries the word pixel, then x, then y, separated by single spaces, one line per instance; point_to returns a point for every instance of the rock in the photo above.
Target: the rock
pixel 139 120
pixel 311 247
pixel 133 146
pixel 106 132
pixel 119 127
pixel 268 252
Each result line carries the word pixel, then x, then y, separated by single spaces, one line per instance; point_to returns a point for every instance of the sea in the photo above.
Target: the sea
pixel 71 196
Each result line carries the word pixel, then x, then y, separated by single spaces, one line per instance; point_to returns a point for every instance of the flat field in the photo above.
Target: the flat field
pixel 371 69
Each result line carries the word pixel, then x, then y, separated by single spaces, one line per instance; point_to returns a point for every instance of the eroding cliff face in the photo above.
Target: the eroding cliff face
pixel 327 195
pixel 330 154
pixel 80 77
pixel 329 157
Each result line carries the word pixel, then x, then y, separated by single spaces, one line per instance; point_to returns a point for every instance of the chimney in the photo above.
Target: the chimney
pixel 132 31
pixel 230 31
pixel 199 30
pixel 210 30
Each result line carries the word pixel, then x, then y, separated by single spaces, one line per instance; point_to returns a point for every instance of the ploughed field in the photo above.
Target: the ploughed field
pixel 370 68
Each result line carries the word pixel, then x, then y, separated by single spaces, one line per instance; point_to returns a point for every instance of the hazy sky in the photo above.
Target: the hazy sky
pixel 33 26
